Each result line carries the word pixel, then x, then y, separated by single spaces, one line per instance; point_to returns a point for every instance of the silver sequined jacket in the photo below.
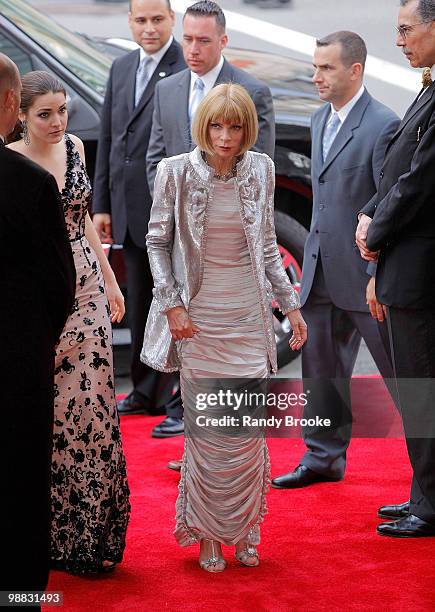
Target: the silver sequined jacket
pixel 176 243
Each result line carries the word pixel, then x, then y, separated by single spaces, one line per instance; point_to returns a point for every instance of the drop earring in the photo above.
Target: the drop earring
pixel 25 133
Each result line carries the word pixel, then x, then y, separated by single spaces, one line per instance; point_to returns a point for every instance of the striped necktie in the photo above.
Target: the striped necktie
pixel 331 131
pixel 142 78
pixel 196 98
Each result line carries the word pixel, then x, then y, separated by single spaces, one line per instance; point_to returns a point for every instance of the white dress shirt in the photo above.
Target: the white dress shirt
pixel 209 79
pixel 156 57
pixel 345 110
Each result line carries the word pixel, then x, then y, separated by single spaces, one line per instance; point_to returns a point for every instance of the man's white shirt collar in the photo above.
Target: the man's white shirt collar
pixel 156 57
pixel 345 110
pixel 209 79
pixel 432 72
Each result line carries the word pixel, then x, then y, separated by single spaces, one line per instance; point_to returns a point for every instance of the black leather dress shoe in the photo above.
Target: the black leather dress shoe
pixel 300 477
pixel 132 404
pixel 169 427
pixel 397 511
pixel 408 527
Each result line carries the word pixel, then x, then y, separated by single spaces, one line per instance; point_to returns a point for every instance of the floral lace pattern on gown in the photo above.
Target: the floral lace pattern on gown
pixel 90 493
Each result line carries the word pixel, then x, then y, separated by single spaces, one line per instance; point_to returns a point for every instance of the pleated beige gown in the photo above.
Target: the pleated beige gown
pixel 224 478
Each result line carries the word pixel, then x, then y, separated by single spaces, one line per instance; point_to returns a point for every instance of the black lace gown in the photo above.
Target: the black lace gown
pixel 90 494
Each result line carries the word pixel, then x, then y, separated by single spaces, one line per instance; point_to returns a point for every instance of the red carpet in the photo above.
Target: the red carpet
pixel 319 551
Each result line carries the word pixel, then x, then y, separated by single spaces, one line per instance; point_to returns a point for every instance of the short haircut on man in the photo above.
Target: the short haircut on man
pixel 353 47
pixel 227 103
pixel 425 8
pixel 207 8
pixel 168 3
pixel 9 75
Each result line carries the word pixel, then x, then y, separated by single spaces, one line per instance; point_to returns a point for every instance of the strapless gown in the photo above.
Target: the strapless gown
pixel 224 478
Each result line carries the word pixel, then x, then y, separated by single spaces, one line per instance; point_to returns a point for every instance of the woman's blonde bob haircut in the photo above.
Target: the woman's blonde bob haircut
pixel 226 103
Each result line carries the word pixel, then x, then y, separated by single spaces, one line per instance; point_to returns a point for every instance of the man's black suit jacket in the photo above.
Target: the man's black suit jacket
pixel 38 286
pixel 120 184
pixel 403 212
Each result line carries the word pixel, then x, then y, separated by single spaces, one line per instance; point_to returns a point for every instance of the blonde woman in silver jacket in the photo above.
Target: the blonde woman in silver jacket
pixel 215 261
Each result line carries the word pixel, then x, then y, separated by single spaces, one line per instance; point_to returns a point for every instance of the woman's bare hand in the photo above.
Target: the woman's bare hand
pixel 116 302
pixel 299 328
pixel 180 324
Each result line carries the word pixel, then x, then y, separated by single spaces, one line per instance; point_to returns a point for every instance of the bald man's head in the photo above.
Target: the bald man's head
pixel 9 75
pixel 10 94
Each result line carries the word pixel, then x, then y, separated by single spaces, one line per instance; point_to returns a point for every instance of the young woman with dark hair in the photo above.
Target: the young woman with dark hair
pixel 90 494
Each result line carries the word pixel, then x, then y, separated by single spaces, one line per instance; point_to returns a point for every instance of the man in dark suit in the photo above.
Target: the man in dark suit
pixel 397 228
pixel 122 201
pixel 38 287
pixel 349 138
pixel 177 98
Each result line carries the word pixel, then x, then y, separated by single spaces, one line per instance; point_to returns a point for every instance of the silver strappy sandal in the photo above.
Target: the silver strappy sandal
pixel 214 563
pixel 248 556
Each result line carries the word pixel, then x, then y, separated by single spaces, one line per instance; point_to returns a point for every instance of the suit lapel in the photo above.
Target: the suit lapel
pixel 410 108
pixel 182 103
pixel 318 129
pixel 163 70
pixel 226 74
pixel 415 107
pixel 147 94
pixel 345 134
pixel 130 82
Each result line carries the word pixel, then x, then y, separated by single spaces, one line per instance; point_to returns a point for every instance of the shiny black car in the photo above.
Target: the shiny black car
pixel 36 42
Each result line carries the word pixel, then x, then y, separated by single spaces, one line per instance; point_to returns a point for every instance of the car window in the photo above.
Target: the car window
pixel 70 49
pixel 17 55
